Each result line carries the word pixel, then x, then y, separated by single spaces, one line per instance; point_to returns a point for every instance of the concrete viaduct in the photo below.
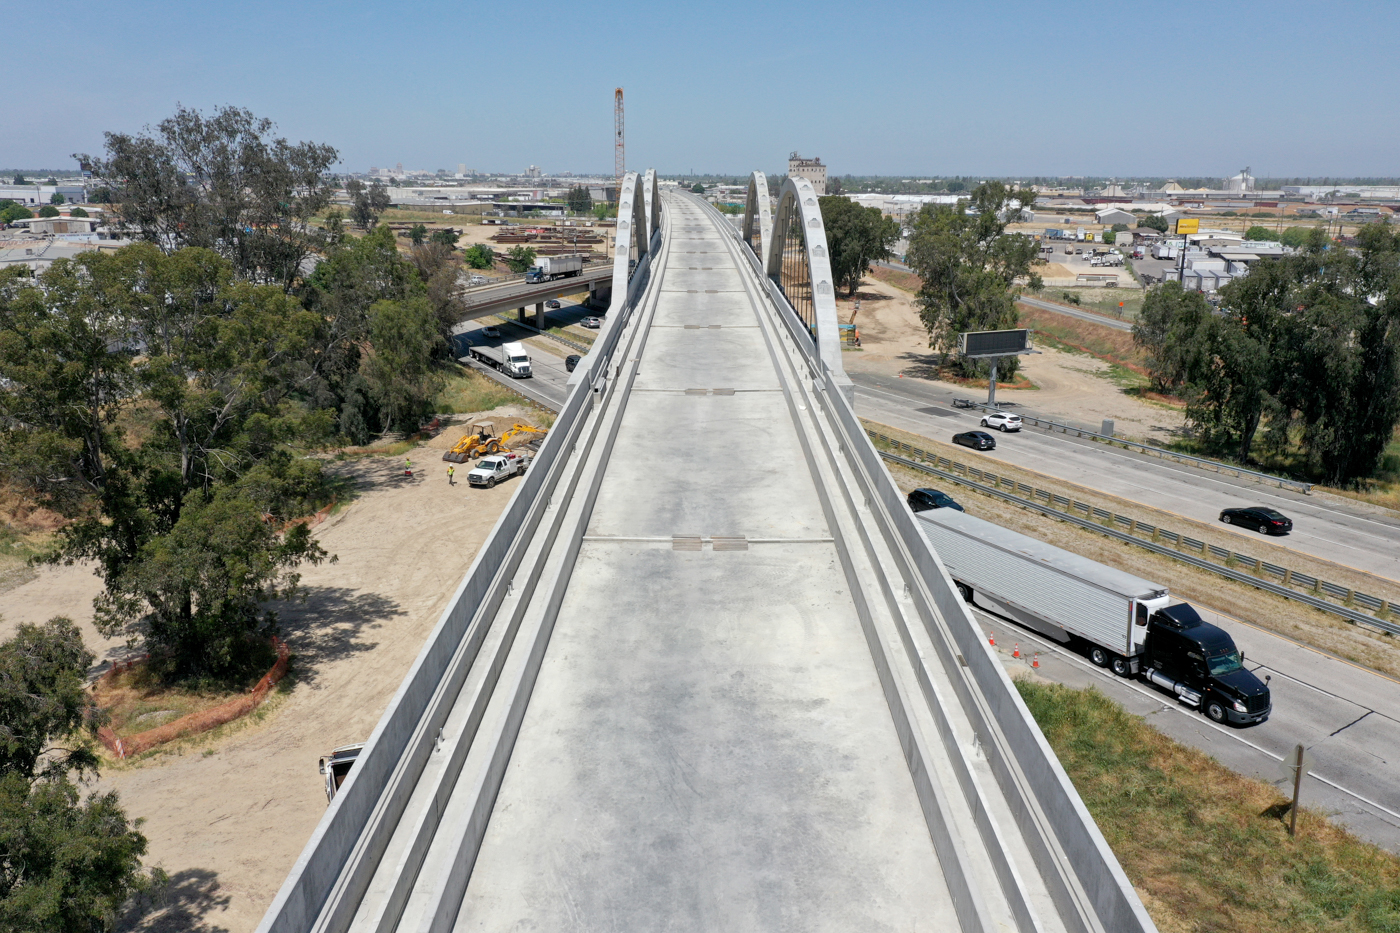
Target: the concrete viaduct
pixel 705 674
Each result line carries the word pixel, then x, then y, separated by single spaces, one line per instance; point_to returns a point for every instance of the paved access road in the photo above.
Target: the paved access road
pixel 1345 716
pixel 1322 528
pixel 1076 312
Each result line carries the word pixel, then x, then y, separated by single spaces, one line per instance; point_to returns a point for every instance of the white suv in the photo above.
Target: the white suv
pixel 1002 421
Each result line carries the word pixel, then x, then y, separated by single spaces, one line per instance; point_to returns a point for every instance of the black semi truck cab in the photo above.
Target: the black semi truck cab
pixel 1199 663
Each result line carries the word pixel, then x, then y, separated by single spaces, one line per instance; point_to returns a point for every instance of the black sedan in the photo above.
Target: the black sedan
pixel 921 500
pixel 552 303
pixel 977 440
pixel 571 361
pixel 1268 521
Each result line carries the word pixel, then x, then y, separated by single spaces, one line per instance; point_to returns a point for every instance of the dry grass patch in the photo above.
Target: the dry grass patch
pixel 1207 849
pixel 1100 340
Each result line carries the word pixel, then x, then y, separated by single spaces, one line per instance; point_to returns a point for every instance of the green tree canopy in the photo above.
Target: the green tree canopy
pixel 1153 222
pixel 15 212
pixel 519 258
pixel 446 238
pixel 417 234
pixel 57 198
pixel 367 202
pixel 403 335
pixel 66 864
pixel 1258 232
pixel 479 256
pixel 856 236
pixel 221 182
pixel 698 188
pixel 1306 348
pixel 48 210
pixel 172 530
pixel 969 269
pixel 77 212
pixel 1297 237
pixel 20 179
pixel 580 201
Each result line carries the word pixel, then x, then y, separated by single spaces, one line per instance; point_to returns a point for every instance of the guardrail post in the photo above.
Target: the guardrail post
pixel 1287 576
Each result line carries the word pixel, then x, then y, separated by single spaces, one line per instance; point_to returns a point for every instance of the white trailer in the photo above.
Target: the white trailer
pixel 1043 587
pixel 547 268
pixel 509 358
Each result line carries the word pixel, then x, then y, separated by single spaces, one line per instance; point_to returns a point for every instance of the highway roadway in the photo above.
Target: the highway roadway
pixel 1076 312
pixel 1345 716
pixel 1323 527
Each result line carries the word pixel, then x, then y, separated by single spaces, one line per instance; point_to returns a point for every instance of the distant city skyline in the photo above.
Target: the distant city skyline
pixel 894 89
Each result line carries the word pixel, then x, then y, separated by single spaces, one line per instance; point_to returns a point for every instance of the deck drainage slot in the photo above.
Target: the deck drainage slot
pixel 723 391
pixel 729 544
pixel 686 542
pixel 697 391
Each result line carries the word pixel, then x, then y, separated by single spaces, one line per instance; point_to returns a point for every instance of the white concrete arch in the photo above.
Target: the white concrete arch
pixel 632 232
pixel 756 209
pixel 799 261
pixel 653 203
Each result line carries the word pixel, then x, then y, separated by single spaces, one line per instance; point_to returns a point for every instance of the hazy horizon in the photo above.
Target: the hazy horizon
pixel 892 89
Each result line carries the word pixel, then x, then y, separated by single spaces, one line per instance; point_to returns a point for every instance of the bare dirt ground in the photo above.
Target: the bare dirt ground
pixel 1069 386
pixel 227 817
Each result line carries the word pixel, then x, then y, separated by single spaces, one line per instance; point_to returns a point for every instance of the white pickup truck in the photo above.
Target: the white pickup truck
pixel 491 470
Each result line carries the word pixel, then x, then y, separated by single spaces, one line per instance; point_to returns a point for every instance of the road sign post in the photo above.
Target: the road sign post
pixel 993 345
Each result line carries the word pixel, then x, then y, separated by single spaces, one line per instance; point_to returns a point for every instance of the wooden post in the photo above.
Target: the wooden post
pixel 1297 783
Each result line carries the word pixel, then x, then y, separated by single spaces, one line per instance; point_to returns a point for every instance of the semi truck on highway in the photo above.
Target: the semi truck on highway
pixel 1125 623
pixel 509 358
pixel 548 268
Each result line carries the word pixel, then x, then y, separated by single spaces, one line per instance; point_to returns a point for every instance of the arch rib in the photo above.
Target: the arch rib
pixel 757 209
pixel 632 232
pixel 799 261
pixel 653 203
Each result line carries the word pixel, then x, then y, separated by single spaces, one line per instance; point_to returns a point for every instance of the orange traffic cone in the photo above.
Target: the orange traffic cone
pixel 1017 652
pixel 1035 662
pixel 991 639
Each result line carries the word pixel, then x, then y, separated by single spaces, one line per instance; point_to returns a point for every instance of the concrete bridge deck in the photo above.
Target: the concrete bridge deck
pixel 701 677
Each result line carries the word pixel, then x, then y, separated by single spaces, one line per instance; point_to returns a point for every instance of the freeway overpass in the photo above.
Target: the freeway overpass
pixel 705 674
pixel 517 294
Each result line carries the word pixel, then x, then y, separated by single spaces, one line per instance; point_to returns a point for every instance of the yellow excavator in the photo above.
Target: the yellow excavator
pixel 483 441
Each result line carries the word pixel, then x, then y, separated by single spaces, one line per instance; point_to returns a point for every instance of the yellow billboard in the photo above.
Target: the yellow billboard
pixel 1188 225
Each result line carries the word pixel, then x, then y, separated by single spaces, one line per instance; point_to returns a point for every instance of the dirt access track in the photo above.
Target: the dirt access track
pixel 228 817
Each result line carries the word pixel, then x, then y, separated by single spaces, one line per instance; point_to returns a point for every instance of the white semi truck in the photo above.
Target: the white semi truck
pixel 1124 622
pixel 548 268
pixel 509 358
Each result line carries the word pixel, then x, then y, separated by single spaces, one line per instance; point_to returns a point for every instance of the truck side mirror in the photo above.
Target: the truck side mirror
pixel 321 767
pixel 1267 678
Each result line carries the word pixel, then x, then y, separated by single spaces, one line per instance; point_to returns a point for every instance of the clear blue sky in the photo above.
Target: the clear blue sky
pixel 1010 88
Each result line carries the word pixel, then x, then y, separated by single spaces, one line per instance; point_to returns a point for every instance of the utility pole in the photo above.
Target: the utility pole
pixel 619 142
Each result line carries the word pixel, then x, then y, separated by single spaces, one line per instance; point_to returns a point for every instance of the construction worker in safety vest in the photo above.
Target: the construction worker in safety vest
pixel 407 467
pixel 450 469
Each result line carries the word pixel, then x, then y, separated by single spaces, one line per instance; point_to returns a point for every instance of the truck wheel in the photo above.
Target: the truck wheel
pixel 965 592
pixel 1215 710
pixel 1098 656
pixel 491 483
pixel 1121 667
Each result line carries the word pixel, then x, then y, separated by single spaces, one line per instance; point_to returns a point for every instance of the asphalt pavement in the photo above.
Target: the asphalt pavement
pixel 1321 527
pixel 1343 715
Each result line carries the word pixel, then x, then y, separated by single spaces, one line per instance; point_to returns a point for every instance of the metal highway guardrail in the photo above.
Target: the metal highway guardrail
pixel 1094 519
pixel 1202 462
